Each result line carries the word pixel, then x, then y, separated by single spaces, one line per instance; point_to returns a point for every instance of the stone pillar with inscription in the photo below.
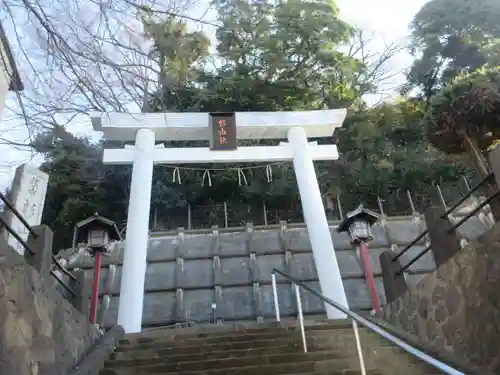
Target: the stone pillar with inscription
pixel 27 195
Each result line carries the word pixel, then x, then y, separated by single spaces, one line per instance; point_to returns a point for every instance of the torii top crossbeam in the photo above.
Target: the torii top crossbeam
pixel 117 126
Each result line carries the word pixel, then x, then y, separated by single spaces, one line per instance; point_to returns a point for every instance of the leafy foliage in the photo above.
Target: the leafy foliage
pixel 79 185
pixel 272 57
pixel 384 153
pixel 468 107
pixel 449 38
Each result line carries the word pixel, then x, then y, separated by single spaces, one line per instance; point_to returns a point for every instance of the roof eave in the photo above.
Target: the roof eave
pixel 15 83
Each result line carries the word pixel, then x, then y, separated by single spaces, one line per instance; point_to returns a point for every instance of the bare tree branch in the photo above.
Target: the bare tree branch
pixel 76 57
pixel 376 62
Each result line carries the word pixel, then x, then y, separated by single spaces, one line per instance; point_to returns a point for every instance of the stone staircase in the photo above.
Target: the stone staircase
pixel 264 349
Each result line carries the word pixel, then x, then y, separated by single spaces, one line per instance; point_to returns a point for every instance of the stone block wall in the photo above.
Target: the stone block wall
pixel 189 270
pixel 40 332
pixel 456 309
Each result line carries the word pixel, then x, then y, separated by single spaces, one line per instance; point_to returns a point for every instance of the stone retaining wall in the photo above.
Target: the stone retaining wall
pixel 456 308
pixel 40 331
pixel 189 270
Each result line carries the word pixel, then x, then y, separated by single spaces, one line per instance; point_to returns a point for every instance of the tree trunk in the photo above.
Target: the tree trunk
pixel 482 167
pixel 473 149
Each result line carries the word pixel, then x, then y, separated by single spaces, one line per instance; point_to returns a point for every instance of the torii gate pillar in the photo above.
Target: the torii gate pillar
pixel 137 234
pixel 313 209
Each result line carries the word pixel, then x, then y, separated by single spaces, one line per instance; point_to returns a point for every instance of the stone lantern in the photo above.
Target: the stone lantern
pixel 358 224
pixel 97 232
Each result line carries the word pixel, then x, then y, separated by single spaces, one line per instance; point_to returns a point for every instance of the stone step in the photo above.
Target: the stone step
pixel 328 366
pixel 334 372
pixel 260 349
pixel 162 365
pixel 220 331
pixel 180 349
pixel 234 338
pixel 392 358
pixel 213 330
pixel 195 355
pixel 241 336
pixel 240 349
pixel 183 347
pixel 172 355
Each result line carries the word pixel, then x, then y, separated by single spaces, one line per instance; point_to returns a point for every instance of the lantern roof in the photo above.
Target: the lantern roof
pixel 359 213
pixel 98 222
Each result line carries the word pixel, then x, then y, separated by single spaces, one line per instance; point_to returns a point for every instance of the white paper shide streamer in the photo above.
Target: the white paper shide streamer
pixel 269 173
pixel 241 177
pixel 176 176
pixel 206 178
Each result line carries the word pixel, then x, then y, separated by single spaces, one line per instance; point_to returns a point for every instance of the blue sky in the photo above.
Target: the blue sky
pixel 385 21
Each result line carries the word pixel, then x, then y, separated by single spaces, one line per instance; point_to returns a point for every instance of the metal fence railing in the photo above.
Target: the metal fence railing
pixel 29 250
pixel 227 215
pixel 236 214
pixel 448 211
pixel 224 215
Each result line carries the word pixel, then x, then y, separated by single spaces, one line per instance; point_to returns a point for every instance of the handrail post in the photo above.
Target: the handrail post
pixel 41 244
pixel 445 242
pixel 493 186
pixel 81 288
pixel 359 348
pixel 275 297
pixel 301 317
pixel 394 280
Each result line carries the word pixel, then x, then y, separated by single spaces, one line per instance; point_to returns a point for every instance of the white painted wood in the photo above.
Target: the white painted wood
pixel 125 156
pixel 137 235
pixel 195 126
pixel 132 147
pixel 330 279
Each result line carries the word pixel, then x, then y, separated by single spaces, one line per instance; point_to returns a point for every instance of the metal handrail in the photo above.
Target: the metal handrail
pixel 417 257
pixel 445 215
pixel 20 217
pixel 411 244
pixel 24 243
pixel 365 323
pixel 16 236
pixel 468 195
pixel 474 211
pixel 62 283
pixel 63 269
pixel 11 207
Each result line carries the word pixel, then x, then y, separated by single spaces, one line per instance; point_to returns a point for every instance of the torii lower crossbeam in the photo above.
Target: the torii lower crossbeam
pixel 200 155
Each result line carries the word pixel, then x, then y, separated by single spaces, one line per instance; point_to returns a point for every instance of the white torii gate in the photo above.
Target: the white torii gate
pixel 147 128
